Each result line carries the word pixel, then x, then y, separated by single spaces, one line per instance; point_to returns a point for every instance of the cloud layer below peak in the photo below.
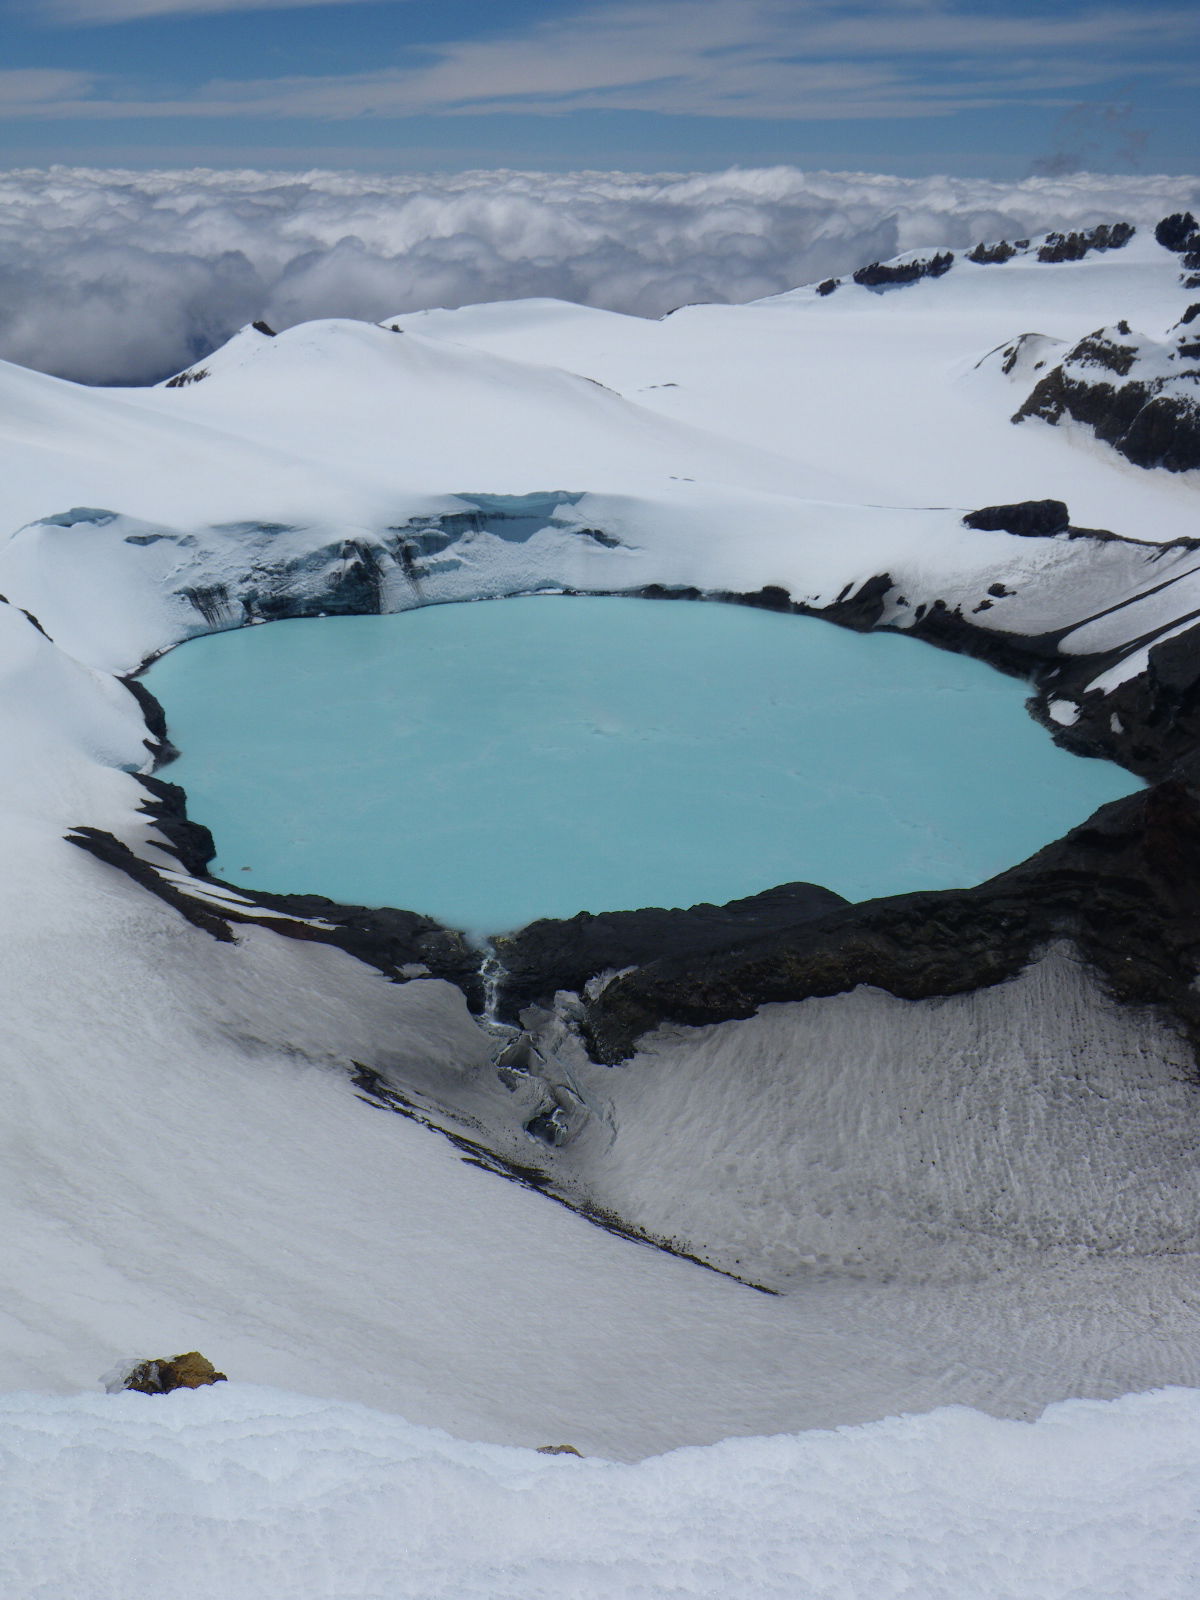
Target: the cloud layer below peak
pixel 125 277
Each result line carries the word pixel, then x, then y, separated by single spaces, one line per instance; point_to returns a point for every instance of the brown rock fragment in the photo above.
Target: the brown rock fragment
pixel 188 1371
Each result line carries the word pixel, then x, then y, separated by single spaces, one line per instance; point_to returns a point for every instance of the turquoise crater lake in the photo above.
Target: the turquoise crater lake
pixel 492 763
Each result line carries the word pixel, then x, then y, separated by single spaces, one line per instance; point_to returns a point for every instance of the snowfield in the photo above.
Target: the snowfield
pixel 982 1199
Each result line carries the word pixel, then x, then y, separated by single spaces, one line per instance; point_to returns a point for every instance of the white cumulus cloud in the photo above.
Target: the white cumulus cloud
pixel 127 276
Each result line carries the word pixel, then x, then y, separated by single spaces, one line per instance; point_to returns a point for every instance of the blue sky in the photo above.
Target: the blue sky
pixel 908 86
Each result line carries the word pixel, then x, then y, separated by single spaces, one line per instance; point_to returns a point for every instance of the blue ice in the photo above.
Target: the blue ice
pixel 495 762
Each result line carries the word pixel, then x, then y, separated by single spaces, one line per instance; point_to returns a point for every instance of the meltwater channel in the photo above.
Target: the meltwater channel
pixel 491 763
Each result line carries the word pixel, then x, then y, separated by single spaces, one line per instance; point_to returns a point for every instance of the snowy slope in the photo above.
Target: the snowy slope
pixel 985 1197
pixel 882 383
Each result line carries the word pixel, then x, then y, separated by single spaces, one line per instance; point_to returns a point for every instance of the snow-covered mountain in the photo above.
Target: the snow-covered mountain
pixel 952 1134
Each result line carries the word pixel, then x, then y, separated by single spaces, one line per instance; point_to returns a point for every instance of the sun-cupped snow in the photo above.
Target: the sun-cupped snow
pixel 231 1140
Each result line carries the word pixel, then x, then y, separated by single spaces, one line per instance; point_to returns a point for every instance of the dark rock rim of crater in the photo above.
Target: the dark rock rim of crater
pixel 1123 889
pixel 1101 886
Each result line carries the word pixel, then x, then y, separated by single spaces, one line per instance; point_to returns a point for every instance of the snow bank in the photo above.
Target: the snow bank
pixel 245 1492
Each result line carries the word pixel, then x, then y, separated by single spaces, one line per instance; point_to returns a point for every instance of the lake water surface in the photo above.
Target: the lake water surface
pixel 492 763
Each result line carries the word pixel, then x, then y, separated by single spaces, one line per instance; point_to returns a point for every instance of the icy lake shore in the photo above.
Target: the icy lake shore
pixel 490 764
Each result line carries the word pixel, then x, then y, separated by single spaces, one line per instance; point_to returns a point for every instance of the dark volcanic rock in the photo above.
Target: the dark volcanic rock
pixel 1177 232
pixel 829 285
pixel 182 379
pixel 992 255
pixel 1074 246
pixel 115 853
pixel 383 937
pixel 1151 722
pixel 28 615
pixel 1150 420
pixel 191 841
pixel 861 608
pixel 152 712
pixel 388 939
pixel 880 275
pixel 1124 888
pixel 1028 518
pixel 1165 432
pixel 549 955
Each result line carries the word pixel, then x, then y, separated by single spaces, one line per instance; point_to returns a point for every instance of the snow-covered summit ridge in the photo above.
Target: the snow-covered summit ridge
pixel 911 266
pixel 1110 245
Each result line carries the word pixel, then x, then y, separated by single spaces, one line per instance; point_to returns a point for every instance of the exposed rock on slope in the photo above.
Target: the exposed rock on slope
pixel 1178 232
pixel 1074 246
pixel 886 275
pixel 550 955
pixel 1030 519
pixel 1124 888
pixel 1139 396
pixel 189 1371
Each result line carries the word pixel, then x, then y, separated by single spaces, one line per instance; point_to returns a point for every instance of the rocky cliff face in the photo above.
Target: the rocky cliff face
pixel 1123 888
pixel 1139 396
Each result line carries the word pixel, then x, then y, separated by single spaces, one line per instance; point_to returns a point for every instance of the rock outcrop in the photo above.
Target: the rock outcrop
pixel 1124 889
pixel 1074 246
pixel 160 1376
pixel 549 955
pixel 1178 232
pixel 1140 397
pixel 883 275
pixel 1029 519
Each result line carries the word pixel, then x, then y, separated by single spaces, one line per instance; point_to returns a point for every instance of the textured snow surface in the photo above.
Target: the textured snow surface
pixel 866 1132
pixel 245 1493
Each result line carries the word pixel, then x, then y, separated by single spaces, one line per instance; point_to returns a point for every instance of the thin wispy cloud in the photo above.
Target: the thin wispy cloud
pixel 123 276
pixel 36 86
pixel 750 58
pixel 94 13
